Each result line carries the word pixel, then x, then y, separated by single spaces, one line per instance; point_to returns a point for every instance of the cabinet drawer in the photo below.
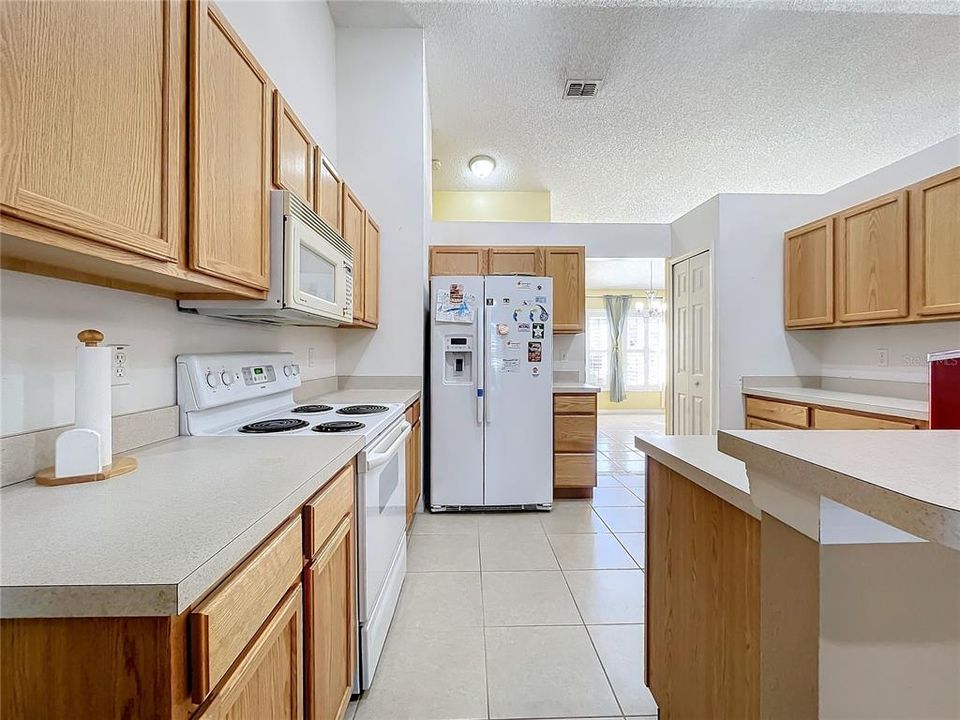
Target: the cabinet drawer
pixel 575 433
pixel 575 470
pixel 757 424
pixel 223 624
pixel 779 412
pixel 575 404
pixel 323 513
pixel 836 420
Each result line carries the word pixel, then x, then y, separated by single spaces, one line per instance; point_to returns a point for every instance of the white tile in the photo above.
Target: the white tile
pixel 621 652
pixel 572 518
pixel 527 598
pixel 604 465
pixel 590 552
pixel 440 599
pixel 543 672
pixel 428 674
pixel 633 466
pixel 636 545
pixel 605 443
pixel 633 480
pixel 517 523
pixel 608 480
pixel 351 710
pixel 607 596
pixel 623 519
pixel 432 553
pixel 614 497
pixel 516 552
pixel 626 454
pixel 447 523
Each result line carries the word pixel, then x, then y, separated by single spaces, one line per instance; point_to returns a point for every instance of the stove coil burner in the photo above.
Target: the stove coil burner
pixel 362 410
pixel 312 409
pixel 275 426
pixel 338 426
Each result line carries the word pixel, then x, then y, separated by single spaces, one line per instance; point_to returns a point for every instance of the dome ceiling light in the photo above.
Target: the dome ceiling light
pixel 482 165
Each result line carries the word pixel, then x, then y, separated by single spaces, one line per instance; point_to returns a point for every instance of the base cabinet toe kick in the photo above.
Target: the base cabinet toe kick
pixel 806 608
pixel 274 639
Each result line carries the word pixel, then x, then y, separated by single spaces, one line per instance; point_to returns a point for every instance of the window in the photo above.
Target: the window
pixel 642 344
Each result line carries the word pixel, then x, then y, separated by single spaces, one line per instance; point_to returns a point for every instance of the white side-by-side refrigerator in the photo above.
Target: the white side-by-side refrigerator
pixel 491 396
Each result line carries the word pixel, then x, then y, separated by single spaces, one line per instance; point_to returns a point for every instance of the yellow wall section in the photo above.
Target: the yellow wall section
pixel 491 206
pixel 650 400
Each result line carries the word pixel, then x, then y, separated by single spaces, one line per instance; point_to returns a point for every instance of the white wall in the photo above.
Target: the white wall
pixel 381 135
pixel 648 240
pixel 38 337
pixel 295 42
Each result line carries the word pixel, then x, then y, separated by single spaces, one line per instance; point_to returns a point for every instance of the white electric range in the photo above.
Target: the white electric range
pixel 251 395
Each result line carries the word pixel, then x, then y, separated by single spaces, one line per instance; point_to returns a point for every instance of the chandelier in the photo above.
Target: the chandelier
pixel 653 308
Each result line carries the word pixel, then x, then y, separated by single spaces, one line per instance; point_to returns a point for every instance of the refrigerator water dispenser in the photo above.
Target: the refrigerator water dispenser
pixel 458 361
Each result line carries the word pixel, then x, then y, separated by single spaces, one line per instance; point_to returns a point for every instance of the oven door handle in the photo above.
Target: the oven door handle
pixel 376 459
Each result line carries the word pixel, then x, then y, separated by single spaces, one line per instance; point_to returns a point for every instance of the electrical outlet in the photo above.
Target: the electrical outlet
pixel 311 357
pixel 883 357
pixel 120 365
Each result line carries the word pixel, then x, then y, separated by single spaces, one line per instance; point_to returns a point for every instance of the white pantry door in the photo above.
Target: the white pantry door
pixel 692 346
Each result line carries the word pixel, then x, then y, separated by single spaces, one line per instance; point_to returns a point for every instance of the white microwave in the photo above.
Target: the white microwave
pixel 311 273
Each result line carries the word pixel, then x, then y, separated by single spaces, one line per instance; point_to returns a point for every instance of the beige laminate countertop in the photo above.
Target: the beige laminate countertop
pixel 697 458
pixel 153 542
pixel 575 388
pixel 906 478
pixel 406 396
pixel 878 404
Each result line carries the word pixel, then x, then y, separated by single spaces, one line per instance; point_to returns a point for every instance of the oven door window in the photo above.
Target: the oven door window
pixel 317 275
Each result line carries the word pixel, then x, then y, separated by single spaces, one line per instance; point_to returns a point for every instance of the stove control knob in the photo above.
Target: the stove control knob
pixel 227 378
pixel 288 370
pixel 296 369
pixel 213 379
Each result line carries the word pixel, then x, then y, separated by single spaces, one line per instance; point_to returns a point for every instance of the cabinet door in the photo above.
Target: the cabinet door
pixel 567 267
pixel 230 154
pixel 413 469
pixel 935 244
pixel 371 271
pixel 808 275
pixel 456 260
pixel 515 261
pixel 872 260
pixel 329 192
pixel 330 625
pixel 93 120
pixel 353 231
pixel 267 682
pixel 292 151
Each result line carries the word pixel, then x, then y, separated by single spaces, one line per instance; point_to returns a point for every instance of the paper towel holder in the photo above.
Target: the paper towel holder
pixel 120 464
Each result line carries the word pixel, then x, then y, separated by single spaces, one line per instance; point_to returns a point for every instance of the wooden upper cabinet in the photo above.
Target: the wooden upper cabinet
pixel 567 267
pixel 329 189
pixel 267 681
pixel 371 271
pixel 935 244
pixel 330 588
pixel 293 151
pixel 92 120
pixel 457 260
pixel 515 261
pixel 872 260
pixel 230 153
pixel 808 275
pixel 354 226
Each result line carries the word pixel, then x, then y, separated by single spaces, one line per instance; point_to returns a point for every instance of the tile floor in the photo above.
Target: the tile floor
pixel 522 615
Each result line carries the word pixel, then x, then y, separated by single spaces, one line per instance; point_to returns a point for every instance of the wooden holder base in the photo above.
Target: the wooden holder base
pixel 121 465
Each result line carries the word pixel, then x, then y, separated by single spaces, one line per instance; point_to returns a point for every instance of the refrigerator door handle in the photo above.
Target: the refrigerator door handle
pixel 480 406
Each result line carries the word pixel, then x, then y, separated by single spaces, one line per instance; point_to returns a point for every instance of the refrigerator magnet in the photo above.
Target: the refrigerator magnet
pixel 502 329
pixel 510 364
pixel 541 299
pixel 538 330
pixel 534 352
pixel 535 371
pixel 456 293
pixel 523 327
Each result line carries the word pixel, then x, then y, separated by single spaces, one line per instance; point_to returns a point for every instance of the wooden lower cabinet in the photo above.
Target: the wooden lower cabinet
pixel 330 629
pixel 574 444
pixel 414 454
pixel 702 602
pixel 267 682
pixel 765 414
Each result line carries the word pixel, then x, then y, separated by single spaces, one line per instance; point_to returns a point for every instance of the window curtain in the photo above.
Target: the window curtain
pixel 617 308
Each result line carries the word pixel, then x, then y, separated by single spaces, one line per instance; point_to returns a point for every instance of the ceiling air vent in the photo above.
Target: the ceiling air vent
pixel 581 88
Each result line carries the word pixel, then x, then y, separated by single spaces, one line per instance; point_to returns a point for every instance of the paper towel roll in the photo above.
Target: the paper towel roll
pixel 93 410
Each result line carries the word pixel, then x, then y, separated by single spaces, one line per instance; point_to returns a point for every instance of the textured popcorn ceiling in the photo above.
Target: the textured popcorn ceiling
pixel 699 96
